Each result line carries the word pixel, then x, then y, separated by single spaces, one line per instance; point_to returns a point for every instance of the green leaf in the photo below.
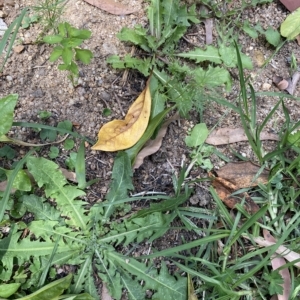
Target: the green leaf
pixel 23 248
pixel 197 136
pixel 48 134
pixel 158 99
pixel 65 125
pixel 83 55
pixel 274 282
pixel 73 68
pixel 7 152
pixel 50 291
pixel 134 288
pixel 54 152
pixel 52 39
pixel 246 61
pixel 106 112
pixel 43 114
pixel 173 37
pixel 21 182
pixel 290 27
pixel 41 209
pixel 69 144
pixel 294 138
pixel 142 65
pixel 169 12
pixel 212 77
pixel 80 33
pixel 67 55
pixel 155 18
pixel 7 290
pixel 7 106
pixel 63 67
pixel 62 29
pixel 56 53
pixel 272 36
pixel 251 31
pixel 71 161
pixel 229 57
pixel 135 36
pixel 164 285
pixel 47 175
pixel 184 17
pixel 71 42
pixel 209 54
pixel 121 182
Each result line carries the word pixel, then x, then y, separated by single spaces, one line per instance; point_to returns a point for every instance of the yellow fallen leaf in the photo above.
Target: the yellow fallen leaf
pixel 123 134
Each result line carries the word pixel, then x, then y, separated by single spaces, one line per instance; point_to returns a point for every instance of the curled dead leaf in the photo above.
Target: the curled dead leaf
pixel 112 7
pixel 123 134
pixel 243 174
pixel 153 146
pixel 278 262
pixel 235 176
pixel 288 254
pixel 227 135
pixel 291 5
pixel 289 84
pixel 225 189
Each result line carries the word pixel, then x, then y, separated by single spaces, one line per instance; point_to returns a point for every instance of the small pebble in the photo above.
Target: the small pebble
pixel 266 86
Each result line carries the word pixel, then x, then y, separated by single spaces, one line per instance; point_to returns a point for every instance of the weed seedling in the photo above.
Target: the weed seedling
pixel 69 39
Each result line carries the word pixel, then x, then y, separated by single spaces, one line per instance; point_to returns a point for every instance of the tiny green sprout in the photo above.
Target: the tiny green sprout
pixel 69 144
pixel 68 41
pixel 43 114
pixel 27 21
pixel 54 152
pixel 106 112
pixel 293 63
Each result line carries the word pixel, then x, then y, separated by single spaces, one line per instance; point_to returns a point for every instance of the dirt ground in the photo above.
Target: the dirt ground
pixel 42 87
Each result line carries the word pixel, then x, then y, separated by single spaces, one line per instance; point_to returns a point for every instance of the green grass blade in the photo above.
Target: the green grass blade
pixel 202 241
pixel 15 24
pixel 225 214
pixel 49 263
pixel 250 222
pixel 242 79
pixel 80 167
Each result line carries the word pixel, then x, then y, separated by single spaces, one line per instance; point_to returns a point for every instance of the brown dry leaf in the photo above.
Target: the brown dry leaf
pixel 228 135
pixel 278 262
pixel 291 5
pixel 18 48
pixel 242 174
pixel 208 23
pixel 112 7
pixel 224 190
pixel 235 176
pixel 153 146
pixel 69 175
pixel 289 255
pixel 123 134
pixel 3 185
pixel 289 84
pixel 191 290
